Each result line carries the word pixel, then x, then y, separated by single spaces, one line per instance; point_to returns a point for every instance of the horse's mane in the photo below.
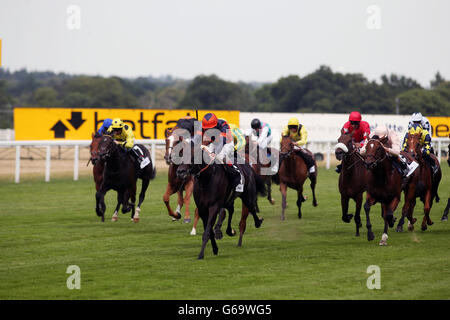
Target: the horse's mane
pixel 97 135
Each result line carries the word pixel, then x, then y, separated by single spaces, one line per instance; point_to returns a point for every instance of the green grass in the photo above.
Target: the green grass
pixel 45 227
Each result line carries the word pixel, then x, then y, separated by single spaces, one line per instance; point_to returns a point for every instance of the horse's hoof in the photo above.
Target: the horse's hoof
pixel 424 227
pixel 136 220
pixel 193 232
pixel 383 243
pixel 259 222
pixel 391 221
pixel 114 219
pixel 347 218
pixel 444 218
pixel 370 236
pixel 357 234
pixel 231 233
pixel 187 220
pixel 430 223
pixel 399 229
pixel 200 257
pixel 315 203
pixel 219 235
pixel 272 202
pixel 299 215
pixel 216 252
pixel 411 227
pixel 282 218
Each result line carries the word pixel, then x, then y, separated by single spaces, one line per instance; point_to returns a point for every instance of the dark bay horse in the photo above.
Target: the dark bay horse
pixel 177 185
pixel 212 193
pixel 447 208
pixel 421 186
pixel 352 179
pixel 292 173
pixel 384 185
pixel 120 173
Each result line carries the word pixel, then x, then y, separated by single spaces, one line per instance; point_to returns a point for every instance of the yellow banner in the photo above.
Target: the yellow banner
pixel 79 124
pixel 440 127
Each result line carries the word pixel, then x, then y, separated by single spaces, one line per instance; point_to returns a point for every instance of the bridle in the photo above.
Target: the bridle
pixel 377 161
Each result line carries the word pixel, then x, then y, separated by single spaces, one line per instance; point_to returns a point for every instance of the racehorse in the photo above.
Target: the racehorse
pixel 292 173
pixel 384 185
pixel 447 208
pixel 177 185
pixel 257 165
pixel 212 193
pixel 121 173
pixel 352 179
pixel 421 185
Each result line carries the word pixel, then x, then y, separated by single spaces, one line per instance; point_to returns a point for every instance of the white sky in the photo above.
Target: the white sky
pixel 248 40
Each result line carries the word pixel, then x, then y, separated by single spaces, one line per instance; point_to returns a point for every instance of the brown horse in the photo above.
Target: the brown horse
pixel 352 179
pixel 292 173
pixel 421 185
pixel 257 165
pixel 447 208
pixel 384 185
pixel 177 185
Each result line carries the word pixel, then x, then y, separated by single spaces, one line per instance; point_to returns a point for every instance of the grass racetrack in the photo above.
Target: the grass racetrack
pixel 46 227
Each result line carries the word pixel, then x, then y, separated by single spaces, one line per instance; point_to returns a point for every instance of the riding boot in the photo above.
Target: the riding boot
pixel 309 161
pixel 338 168
pixel 430 161
pixel 140 157
pixel 234 176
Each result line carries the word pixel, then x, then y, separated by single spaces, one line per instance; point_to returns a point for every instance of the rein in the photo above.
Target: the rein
pixel 377 161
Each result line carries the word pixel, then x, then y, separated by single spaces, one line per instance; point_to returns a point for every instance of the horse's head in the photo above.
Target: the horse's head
pixel 96 137
pixel 286 146
pixel 413 145
pixel 186 169
pixel 344 145
pixel 375 153
pixel 106 147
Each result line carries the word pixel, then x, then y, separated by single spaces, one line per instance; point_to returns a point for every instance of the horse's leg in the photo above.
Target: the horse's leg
pixel 347 218
pixel 426 209
pixel 179 202
pixel 358 213
pixel 187 199
pixel 242 224
pixel 283 189
pixel 409 196
pixel 269 192
pixel 116 212
pixel 230 231
pixel 367 204
pixel 166 198
pixel 300 199
pixel 411 219
pixel 389 211
pixel 212 215
pixel 217 228
pixel 134 213
pixel 447 208
pixel 194 227
pixel 100 206
pixel 313 187
pixel 145 183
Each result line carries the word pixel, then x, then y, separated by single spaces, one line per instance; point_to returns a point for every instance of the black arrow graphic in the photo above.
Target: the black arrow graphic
pixel 76 120
pixel 60 130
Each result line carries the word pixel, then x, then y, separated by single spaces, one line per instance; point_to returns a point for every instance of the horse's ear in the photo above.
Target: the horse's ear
pixel 93 134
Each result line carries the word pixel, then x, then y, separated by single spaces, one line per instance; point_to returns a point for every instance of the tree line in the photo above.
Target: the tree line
pixel 322 91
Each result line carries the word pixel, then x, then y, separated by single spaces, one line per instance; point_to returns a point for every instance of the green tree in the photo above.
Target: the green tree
pixel 45 97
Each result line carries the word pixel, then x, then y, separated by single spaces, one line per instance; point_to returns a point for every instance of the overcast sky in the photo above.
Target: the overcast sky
pixel 248 40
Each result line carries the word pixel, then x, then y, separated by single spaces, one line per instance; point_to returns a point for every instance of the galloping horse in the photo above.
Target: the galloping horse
pixel 421 185
pixel 384 185
pixel 177 185
pixel 352 179
pixel 120 173
pixel 292 173
pixel 447 208
pixel 212 193
pixel 257 165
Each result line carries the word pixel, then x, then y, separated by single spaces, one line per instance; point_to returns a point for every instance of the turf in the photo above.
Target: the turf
pixel 45 227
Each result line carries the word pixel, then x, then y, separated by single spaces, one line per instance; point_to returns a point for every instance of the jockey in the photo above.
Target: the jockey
pixel 360 129
pixel 391 143
pixel 124 134
pixel 238 137
pixel 298 133
pixel 425 142
pixel 418 119
pixel 262 132
pixel 223 150
pixel 105 126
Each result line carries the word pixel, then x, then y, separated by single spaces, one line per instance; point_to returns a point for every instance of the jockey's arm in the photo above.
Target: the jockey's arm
pixel 226 152
pixel 426 141
pixel 395 145
pixel 303 137
pixel 129 137
pixel 240 139
pixel 263 135
pixel 284 133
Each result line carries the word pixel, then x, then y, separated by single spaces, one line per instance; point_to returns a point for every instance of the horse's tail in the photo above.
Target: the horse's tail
pixel 153 174
pixel 261 188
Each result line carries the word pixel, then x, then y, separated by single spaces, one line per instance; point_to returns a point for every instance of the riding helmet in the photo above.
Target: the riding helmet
pixel 416 117
pixel 117 124
pixel 256 124
pixel 209 121
pixel 293 122
pixel 354 116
